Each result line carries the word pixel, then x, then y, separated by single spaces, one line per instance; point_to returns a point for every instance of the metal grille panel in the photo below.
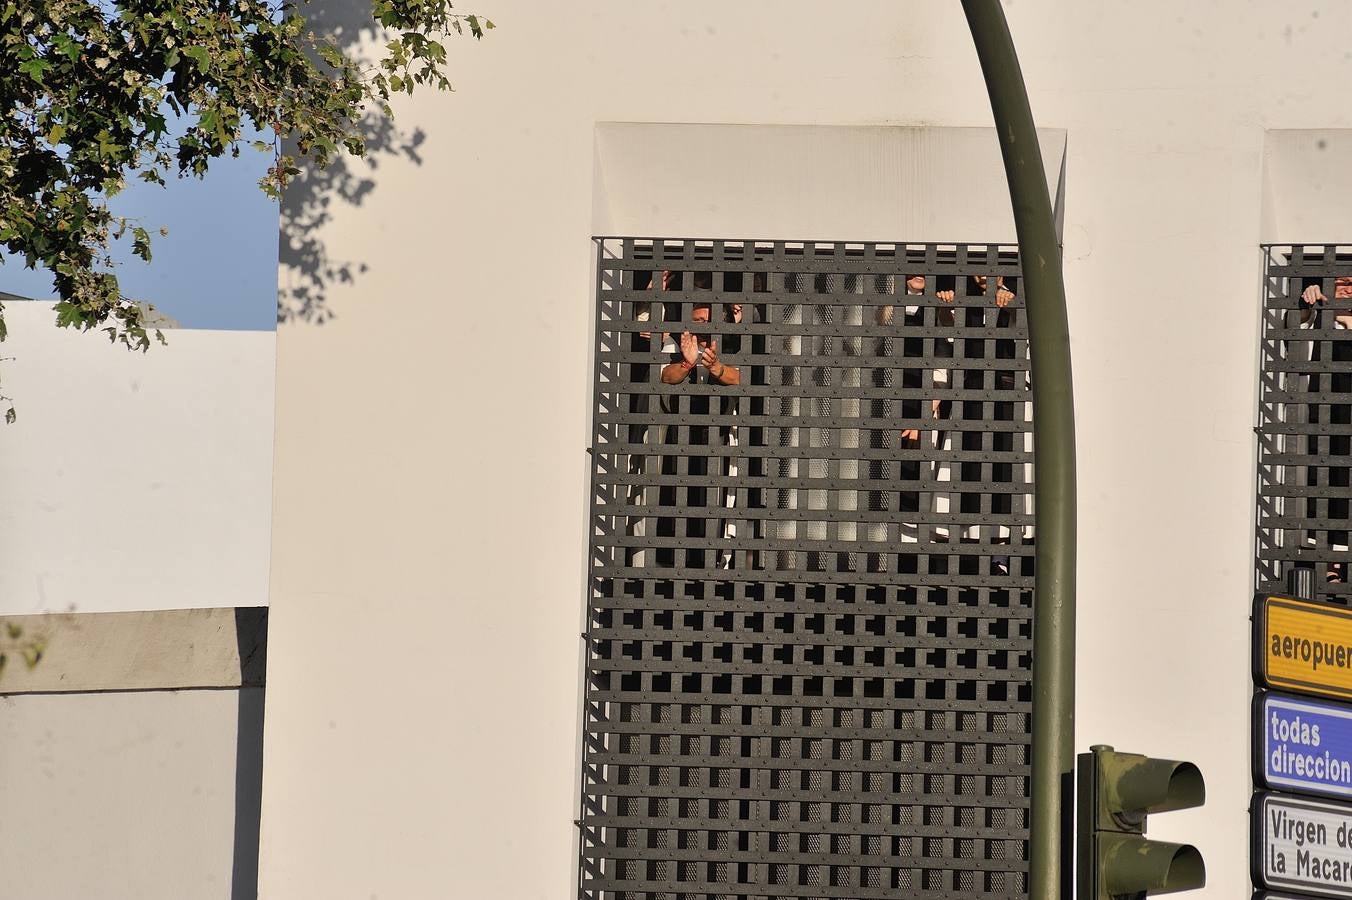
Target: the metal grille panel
pixel 810 587
pixel 1305 418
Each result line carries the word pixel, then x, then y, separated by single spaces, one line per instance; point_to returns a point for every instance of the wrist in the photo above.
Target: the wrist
pixel 686 365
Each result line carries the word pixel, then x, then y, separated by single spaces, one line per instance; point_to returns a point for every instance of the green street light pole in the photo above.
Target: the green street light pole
pixel 1054 454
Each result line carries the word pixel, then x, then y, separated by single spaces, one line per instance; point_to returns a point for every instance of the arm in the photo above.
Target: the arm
pixel 945 317
pixel 729 375
pixel 675 373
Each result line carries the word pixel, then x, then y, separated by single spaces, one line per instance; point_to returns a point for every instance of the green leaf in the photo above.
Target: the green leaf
pixel 14 630
pixel 34 68
pixel 69 314
pixel 140 243
pixel 198 55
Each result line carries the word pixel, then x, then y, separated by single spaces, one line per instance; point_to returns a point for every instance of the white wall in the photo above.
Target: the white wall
pixel 127 796
pixel 134 481
pixel 804 182
pixel 1305 186
pixel 429 492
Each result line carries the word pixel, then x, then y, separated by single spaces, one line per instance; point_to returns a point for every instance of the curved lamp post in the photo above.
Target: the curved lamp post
pixel 1054 454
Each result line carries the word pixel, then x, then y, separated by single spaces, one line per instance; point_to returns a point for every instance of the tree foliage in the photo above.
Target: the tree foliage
pixel 99 91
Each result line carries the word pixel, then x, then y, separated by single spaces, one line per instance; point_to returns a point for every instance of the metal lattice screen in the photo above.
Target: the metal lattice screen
pixel 1305 417
pixel 810 587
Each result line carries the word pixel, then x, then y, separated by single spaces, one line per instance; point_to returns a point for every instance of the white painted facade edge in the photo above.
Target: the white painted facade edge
pixel 134 481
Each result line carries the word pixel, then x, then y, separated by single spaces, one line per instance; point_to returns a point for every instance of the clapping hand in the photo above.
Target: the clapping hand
pixel 690 349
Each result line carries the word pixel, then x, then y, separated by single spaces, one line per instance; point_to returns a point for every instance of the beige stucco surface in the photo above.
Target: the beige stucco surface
pixel 430 478
pixel 806 182
pixel 1305 172
pixel 120 796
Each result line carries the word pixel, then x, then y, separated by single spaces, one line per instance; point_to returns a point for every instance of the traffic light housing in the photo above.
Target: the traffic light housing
pixel 1116 792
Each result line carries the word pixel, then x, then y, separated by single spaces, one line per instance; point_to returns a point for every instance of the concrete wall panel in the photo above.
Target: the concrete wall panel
pixel 129 796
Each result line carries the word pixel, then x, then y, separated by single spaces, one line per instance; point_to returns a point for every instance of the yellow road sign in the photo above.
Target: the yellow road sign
pixel 1303 645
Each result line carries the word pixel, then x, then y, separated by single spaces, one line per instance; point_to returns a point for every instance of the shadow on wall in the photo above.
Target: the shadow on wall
pixel 307 271
pixel 251 637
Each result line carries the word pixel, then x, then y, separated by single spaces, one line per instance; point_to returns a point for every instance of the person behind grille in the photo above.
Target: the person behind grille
pixel 751 464
pixel 695 359
pixel 1003 411
pixel 1336 379
pixel 910 437
pixel 639 374
pixel 694 350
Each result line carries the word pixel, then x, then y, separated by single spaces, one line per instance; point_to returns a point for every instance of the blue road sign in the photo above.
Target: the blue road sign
pixel 1306 745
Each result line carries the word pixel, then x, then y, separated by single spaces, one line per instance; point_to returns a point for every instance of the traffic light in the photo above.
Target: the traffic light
pixel 1116 793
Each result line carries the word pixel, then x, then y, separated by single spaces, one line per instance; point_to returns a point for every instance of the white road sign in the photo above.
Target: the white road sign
pixel 1303 845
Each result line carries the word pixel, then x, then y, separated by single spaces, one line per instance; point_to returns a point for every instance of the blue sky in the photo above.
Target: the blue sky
pixel 217 267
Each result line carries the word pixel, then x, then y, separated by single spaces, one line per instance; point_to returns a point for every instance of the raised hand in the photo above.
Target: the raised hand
pixel 1312 295
pixel 690 348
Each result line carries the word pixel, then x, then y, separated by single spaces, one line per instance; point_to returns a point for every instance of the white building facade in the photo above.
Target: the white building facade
pixel 440 758
pixel 427 543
